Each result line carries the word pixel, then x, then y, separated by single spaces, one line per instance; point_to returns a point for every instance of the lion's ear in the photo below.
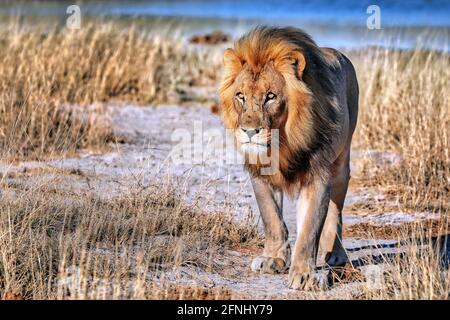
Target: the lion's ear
pixel 231 60
pixel 298 59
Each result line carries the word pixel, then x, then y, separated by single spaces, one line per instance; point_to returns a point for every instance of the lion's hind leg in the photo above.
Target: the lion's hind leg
pixel 332 249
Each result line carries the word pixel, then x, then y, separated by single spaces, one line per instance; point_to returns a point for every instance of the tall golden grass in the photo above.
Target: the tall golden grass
pixel 45 69
pixel 54 245
pixel 416 270
pixel 405 108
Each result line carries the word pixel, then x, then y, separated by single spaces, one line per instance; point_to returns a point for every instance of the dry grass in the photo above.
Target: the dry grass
pixel 405 108
pixel 50 243
pixel 417 271
pixel 45 69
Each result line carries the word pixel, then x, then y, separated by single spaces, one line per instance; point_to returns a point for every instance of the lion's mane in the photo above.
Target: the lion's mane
pixel 312 121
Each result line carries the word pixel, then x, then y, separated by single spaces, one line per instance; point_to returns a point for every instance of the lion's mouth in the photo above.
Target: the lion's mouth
pixel 257 143
pixel 254 147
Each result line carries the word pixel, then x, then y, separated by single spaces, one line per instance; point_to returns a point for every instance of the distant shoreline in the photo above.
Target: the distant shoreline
pixel 344 37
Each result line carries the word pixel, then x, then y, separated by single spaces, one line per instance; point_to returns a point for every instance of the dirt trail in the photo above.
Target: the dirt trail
pixel 143 160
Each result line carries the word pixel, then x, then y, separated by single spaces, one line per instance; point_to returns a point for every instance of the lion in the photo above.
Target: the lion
pixel 279 79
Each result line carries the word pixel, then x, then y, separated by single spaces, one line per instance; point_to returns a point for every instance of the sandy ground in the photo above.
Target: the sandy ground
pixel 151 134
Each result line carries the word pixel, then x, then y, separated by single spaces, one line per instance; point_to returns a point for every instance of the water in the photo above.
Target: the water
pixel 336 23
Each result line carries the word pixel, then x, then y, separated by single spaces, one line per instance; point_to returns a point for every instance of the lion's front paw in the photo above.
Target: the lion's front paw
pixel 270 265
pixel 308 281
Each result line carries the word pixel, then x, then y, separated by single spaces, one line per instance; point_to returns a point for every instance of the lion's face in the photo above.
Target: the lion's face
pixel 258 88
pixel 260 104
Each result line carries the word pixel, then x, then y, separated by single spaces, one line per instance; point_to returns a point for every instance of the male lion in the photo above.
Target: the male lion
pixel 278 78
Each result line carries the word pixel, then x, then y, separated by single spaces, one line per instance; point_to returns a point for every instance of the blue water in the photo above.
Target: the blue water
pixel 411 13
pixel 340 23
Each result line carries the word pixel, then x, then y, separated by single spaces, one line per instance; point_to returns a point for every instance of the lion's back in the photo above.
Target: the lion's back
pixel 346 81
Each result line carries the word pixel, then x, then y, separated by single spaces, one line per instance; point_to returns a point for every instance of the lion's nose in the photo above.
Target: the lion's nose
pixel 251 132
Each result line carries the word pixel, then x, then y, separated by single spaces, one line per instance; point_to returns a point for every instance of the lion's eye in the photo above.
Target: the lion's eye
pixel 240 96
pixel 270 96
